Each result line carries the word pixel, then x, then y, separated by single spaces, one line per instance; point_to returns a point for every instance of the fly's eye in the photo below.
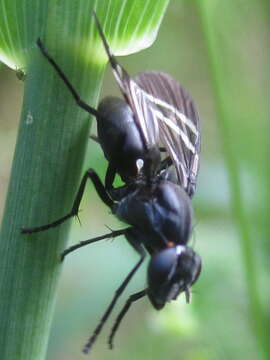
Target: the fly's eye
pixel 196 269
pixel 188 267
pixel 161 267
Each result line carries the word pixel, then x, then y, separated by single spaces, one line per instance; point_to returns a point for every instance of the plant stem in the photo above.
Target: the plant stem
pixel 46 171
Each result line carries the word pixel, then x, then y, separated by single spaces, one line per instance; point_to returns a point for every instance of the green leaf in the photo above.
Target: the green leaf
pixel 129 25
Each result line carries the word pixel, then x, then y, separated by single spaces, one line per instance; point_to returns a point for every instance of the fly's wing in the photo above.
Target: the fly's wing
pixel 178 123
pixel 164 113
pixel 144 118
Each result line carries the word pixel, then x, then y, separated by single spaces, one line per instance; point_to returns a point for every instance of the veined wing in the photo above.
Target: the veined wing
pixel 164 113
pixel 178 123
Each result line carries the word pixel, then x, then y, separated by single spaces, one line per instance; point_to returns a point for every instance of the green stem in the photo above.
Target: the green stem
pixel 257 316
pixel 46 171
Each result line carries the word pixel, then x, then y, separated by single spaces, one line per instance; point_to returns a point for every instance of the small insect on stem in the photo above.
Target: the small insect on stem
pixel 151 139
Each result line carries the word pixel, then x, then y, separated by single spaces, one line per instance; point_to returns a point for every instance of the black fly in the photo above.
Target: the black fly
pixel 152 140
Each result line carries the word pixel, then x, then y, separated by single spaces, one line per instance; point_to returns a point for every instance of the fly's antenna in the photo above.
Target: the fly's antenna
pixel 63 76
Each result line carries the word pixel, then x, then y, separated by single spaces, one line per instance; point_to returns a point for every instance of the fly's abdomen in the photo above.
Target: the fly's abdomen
pixel 119 136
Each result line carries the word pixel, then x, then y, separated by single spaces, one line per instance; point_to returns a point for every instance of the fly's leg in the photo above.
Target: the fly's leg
pixel 63 76
pixel 165 164
pixel 122 313
pixel 110 176
pixel 100 189
pixel 112 234
pixel 115 193
pixel 140 250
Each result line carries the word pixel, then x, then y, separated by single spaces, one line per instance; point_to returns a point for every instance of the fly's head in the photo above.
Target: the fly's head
pixel 170 272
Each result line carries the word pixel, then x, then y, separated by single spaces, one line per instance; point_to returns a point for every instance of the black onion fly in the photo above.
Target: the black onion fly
pixel 151 138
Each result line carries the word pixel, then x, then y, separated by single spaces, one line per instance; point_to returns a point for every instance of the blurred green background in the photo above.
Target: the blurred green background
pixel 218 324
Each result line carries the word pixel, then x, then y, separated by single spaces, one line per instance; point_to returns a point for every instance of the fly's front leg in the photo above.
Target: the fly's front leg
pixel 134 241
pixel 100 189
pixel 123 312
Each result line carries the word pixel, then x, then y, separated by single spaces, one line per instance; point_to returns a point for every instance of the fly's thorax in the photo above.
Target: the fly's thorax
pixel 172 271
pixel 161 212
pixel 174 212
